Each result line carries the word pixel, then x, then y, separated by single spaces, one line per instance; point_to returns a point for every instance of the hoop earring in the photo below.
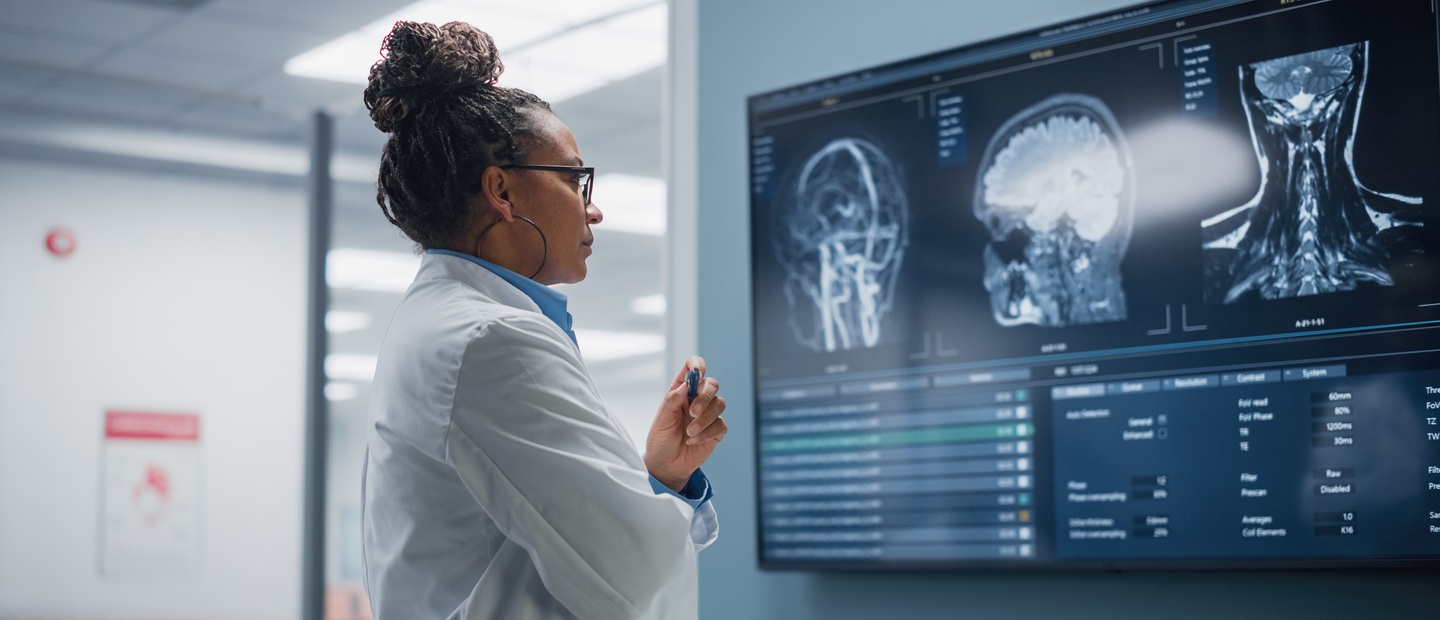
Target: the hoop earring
pixel 544 243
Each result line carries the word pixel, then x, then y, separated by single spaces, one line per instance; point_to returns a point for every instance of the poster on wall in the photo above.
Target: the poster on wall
pixel 150 504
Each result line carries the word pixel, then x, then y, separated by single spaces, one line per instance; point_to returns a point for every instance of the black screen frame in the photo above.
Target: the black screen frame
pixel 1015 48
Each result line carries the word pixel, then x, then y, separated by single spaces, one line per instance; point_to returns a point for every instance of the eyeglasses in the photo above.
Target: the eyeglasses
pixel 586 174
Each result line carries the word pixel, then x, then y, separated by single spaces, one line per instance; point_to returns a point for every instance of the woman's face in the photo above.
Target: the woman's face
pixel 553 200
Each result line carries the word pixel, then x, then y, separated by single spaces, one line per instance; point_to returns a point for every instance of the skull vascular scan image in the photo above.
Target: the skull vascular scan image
pixel 841 236
pixel 1057 195
pixel 1313 227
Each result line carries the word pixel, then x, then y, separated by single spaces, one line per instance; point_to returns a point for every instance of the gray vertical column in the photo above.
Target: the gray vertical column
pixel 317 410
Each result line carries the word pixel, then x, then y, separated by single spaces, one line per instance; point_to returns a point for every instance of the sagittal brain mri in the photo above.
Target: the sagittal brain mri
pixel 1313 227
pixel 1056 192
pixel 841 237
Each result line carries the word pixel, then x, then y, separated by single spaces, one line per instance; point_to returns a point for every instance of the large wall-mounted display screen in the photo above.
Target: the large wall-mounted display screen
pixel 1158 288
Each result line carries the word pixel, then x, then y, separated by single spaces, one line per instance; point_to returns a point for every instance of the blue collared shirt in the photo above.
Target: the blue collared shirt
pixel 554 305
pixel 696 492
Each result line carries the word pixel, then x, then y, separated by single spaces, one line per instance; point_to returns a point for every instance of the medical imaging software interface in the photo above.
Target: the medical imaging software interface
pixel 1157 288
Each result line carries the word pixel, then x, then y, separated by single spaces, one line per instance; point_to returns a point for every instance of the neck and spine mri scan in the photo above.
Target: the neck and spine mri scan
pixel 1313 227
pixel 1056 193
pixel 841 239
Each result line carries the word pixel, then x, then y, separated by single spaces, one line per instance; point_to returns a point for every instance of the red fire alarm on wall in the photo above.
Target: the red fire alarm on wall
pixel 60 242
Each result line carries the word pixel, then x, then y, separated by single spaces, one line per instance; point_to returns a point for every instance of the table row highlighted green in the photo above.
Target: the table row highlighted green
pixel 945 434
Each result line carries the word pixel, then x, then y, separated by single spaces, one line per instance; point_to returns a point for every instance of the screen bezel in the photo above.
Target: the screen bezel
pixel 879 75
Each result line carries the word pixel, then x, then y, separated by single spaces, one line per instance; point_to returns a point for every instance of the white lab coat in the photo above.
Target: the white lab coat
pixel 497 484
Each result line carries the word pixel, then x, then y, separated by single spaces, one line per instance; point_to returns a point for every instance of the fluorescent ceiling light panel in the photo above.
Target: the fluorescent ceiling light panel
pixel 339 390
pixel 344 321
pixel 631 204
pixel 586 58
pixel 650 305
pixel 370 270
pixel 555 49
pixel 350 366
pixel 602 346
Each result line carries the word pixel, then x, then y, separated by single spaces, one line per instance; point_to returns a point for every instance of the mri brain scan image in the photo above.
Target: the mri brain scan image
pixel 1057 195
pixel 1313 227
pixel 841 236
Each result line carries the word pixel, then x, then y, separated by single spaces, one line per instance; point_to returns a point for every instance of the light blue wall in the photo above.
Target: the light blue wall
pixel 751 46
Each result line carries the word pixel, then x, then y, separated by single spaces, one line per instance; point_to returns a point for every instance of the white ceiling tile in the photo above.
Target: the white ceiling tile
pixel 103 21
pixel 33 46
pixel 333 16
pixel 266 42
pixel 103 98
pixel 214 53
pixel 230 45
pixel 192 72
pixel 17 84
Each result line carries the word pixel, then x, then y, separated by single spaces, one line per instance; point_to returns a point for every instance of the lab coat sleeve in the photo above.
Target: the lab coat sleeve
pixel 704 526
pixel 531 440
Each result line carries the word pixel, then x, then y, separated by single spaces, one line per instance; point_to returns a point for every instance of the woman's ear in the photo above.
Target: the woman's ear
pixel 495 191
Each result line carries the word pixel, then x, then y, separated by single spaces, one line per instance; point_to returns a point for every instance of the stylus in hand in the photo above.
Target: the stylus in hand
pixel 694 380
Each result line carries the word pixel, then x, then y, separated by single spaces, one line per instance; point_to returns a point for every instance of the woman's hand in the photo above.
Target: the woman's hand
pixel 684 434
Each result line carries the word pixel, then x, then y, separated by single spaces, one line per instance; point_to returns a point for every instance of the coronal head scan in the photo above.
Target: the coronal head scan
pixel 841 235
pixel 1313 227
pixel 1057 195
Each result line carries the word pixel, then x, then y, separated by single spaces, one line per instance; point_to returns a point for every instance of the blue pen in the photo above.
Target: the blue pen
pixel 693 378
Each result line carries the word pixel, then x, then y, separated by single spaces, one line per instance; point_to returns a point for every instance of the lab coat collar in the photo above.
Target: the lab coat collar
pixel 552 303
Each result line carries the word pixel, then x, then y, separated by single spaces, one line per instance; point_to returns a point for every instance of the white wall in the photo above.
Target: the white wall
pixel 184 294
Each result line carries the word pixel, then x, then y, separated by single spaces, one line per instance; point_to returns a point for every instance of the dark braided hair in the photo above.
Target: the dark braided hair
pixel 434 92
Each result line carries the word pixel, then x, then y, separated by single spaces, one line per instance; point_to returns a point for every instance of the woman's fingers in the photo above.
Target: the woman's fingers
pixel 706 395
pixel 708 416
pixel 674 399
pixel 714 432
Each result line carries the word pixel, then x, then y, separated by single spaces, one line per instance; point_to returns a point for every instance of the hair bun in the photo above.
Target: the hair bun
pixel 421 61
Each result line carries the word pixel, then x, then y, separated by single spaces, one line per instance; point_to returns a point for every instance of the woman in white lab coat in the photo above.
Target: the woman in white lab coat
pixel 496 483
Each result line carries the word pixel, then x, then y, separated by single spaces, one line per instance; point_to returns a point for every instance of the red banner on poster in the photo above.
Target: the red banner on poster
pixel 154 426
